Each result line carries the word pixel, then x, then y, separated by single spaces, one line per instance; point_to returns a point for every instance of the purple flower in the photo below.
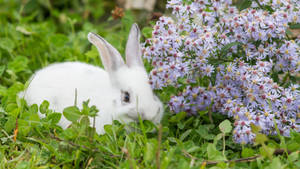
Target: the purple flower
pixel 188 50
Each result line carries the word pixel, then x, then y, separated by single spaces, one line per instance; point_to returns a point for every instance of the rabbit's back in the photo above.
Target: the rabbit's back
pixel 57 83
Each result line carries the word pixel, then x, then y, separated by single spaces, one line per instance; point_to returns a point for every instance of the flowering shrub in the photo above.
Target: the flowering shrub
pixel 239 62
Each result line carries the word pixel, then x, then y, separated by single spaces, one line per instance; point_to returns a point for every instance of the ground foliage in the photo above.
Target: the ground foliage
pixel 36 33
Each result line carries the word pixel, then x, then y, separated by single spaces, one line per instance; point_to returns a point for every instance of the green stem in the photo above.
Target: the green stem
pixel 224 145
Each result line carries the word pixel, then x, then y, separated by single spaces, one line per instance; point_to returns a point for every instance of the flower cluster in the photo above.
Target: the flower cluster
pixel 241 54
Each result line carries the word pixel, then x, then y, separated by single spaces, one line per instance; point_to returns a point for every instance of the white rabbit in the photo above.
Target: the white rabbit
pixel 120 92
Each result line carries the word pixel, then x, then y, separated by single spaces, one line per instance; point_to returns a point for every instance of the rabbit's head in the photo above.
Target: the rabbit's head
pixel 135 97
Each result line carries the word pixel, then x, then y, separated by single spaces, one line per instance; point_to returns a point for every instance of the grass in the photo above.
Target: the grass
pixel 57 33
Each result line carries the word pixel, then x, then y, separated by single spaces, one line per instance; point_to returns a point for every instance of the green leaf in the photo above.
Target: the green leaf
pixel 108 129
pixel 180 125
pixel 268 8
pixel 266 151
pixel 23 30
pixel 260 138
pixel 7 44
pixel 29 118
pixel 275 164
pixel 149 151
pixel 54 117
pixel 149 126
pixel 70 133
pixel 213 153
pixel 288 32
pixel 34 119
pixel 217 138
pixel 72 113
pixel 294 156
pixel 90 111
pixel 247 152
pixel 229 45
pixel 58 40
pixel 85 121
pixel 293 146
pixel 48 146
pixel 2 69
pixel 19 64
pixel 44 107
pixel 24 127
pixel 221 165
pixel 10 124
pixel 147 32
pixel 185 134
pixel 194 149
pixel 204 134
pixel 295 136
pixel 243 4
pixel 172 139
pixel 297 164
pixel 295 26
pixel 33 108
pixel 178 117
pixel 23 165
pixel 11 108
pixel 93 53
pixel 225 126
pixel 203 112
pixel 3 90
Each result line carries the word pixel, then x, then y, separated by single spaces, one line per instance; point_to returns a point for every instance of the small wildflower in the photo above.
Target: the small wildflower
pixel 117 13
pixel 190 48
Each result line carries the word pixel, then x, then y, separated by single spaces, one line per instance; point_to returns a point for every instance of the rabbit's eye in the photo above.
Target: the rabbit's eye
pixel 126 97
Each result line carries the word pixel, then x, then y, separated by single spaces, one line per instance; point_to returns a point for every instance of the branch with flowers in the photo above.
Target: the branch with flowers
pixel 230 60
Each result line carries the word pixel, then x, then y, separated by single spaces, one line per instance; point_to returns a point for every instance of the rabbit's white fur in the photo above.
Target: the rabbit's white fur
pixel 104 88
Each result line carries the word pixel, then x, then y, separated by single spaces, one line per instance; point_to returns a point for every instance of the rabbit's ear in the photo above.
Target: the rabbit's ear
pixel 110 57
pixel 133 48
